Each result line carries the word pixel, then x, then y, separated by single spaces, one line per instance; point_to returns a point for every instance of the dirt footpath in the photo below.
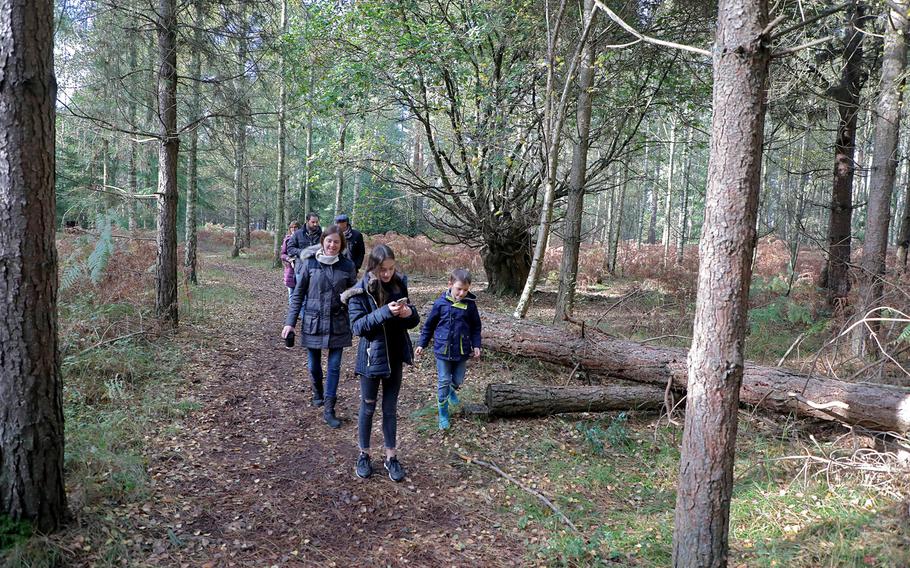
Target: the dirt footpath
pixel 254 477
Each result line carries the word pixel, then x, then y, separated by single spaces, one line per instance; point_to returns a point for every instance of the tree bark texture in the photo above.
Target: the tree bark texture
pixel 510 400
pixel 715 360
pixel 668 206
pixel 847 95
pixel 555 119
pixel 31 396
pixel 192 190
pixel 879 407
pixel 903 238
pixel 282 135
pixel 884 168
pixel 166 264
pixel 240 144
pixel 339 165
pixel 568 270
pixel 684 200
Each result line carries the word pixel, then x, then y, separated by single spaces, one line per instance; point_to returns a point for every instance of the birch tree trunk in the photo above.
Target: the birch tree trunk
pixel 884 168
pixel 715 362
pixel 568 270
pixel 31 392
pixel 166 265
pixel 555 119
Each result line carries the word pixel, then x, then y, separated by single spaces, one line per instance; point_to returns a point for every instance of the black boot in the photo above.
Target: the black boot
pixel 317 392
pixel 328 413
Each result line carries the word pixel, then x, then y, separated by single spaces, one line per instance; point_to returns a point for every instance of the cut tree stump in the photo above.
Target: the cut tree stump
pixel 878 407
pixel 542 400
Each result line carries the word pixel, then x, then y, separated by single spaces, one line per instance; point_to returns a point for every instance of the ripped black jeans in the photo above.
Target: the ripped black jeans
pixel 369 391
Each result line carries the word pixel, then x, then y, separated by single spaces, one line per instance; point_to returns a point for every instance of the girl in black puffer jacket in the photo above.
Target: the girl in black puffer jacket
pixel 381 315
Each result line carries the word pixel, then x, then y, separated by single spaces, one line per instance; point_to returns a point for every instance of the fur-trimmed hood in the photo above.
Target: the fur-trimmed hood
pixel 365 281
pixel 310 252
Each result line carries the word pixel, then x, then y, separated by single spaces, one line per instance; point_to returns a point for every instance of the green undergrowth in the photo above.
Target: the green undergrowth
pixel 116 393
pixel 614 477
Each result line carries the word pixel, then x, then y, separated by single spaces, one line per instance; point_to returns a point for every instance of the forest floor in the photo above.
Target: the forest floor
pixel 235 468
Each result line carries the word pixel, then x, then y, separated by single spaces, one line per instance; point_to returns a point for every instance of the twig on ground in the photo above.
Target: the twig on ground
pixel 525 488
pixel 111 340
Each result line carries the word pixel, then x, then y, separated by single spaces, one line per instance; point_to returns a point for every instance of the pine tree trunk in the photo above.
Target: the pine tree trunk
pixel 614 248
pixel 715 362
pixel 307 167
pixel 339 166
pixel 192 195
pixel 568 270
pixel 31 393
pixel 166 265
pixel 511 400
pixel 668 207
pixel 282 135
pixel 903 238
pixel 684 201
pixel 239 141
pixel 879 407
pixel 847 95
pixel 132 182
pixel 884 168
pixel 555 120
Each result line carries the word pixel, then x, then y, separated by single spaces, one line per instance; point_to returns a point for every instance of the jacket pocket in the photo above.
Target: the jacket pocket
pixel 311 323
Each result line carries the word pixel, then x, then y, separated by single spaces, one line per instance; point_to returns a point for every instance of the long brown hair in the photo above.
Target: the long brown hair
pixel 378 255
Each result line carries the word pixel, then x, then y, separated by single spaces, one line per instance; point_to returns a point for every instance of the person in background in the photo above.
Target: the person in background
pixel 454 325
pixel 381 316
pixel 307 236
pixel 290 280
pixel 325 274
pixel 356 250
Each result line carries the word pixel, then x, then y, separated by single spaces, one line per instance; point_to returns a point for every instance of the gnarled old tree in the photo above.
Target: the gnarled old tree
pixel 468 77
pixel 31 393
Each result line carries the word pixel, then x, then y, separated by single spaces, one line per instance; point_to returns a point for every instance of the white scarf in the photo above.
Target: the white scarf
pixel 326 259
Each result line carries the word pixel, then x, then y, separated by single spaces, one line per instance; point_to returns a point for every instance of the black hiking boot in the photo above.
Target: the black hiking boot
pixel 396 472
pixel 328 413
pixel 317 392
pixel 364 467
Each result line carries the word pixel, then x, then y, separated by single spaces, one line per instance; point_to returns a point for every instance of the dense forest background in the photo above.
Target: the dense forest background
pixel 565 152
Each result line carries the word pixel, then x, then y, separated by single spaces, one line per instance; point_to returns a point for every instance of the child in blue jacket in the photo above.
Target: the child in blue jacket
pixel 454 325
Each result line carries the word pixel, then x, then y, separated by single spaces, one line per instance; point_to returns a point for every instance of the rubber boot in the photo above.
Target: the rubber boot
pixel 443 414
pixel 328 413
pixel 317 392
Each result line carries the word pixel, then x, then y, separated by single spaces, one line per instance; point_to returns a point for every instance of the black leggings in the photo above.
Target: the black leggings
pixel 369 390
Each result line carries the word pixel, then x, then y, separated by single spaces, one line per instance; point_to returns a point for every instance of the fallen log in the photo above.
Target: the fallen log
pixel 542 400
pixel 878 407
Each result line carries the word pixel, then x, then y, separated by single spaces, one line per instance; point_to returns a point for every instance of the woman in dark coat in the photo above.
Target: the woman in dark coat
pixel 381 316
pixel 322 276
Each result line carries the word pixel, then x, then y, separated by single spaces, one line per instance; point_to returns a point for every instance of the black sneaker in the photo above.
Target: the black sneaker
pixel 364 467
pixel 396 472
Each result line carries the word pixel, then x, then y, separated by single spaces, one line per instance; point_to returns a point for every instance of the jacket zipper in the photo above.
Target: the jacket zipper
pixel 384 336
